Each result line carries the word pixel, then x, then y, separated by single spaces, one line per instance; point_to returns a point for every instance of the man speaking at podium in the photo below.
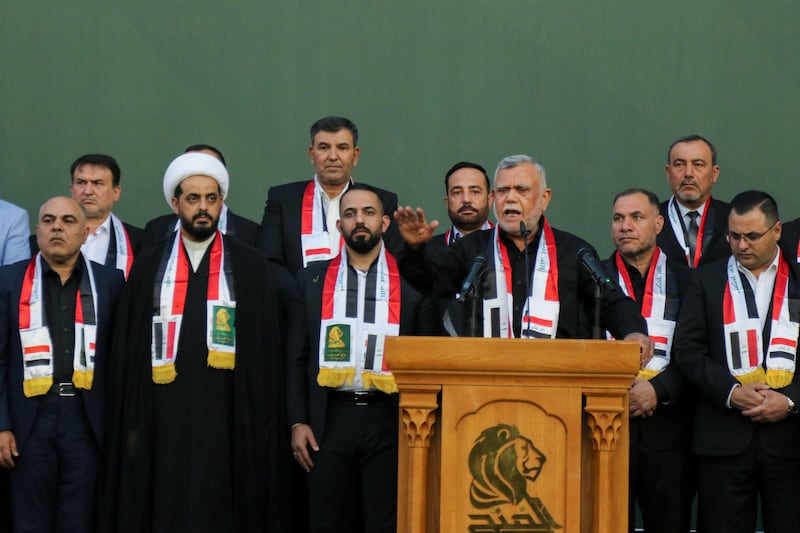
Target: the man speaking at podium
pixel 527 277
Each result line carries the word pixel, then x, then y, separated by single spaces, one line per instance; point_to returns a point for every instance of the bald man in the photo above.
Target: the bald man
pixel 56 312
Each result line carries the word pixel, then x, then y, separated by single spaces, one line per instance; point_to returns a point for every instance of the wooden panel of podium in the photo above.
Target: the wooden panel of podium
pixel 510 435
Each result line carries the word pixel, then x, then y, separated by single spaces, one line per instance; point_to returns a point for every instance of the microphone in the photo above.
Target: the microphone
pixel 472 277
pixel 523 230
pixel 590 263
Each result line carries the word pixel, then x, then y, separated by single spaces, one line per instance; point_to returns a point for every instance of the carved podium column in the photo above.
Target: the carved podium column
pixel 512 435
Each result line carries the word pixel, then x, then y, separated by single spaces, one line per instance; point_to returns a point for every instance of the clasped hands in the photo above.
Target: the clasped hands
pixel 759 403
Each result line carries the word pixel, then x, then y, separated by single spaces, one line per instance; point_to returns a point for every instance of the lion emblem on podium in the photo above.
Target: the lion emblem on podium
pixel 503 464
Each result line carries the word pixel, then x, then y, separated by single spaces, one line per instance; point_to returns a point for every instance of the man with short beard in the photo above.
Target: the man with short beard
pixel 230 223
pixel 696 223
pixel 342 400
pixel 194 403
pixel 468 199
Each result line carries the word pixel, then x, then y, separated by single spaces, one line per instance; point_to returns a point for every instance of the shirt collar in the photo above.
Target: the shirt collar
pixel 773 267
pixel 684 210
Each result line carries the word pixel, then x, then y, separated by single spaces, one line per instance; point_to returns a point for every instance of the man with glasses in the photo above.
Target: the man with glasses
pixel 736 342
pixel 695 222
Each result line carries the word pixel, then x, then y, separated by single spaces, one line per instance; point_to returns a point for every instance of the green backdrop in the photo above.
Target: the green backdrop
pixel 595 90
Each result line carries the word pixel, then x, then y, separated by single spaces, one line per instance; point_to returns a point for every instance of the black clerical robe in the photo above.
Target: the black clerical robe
pixel 205 452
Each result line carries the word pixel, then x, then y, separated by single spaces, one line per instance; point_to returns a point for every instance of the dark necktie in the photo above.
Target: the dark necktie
pixel 691 233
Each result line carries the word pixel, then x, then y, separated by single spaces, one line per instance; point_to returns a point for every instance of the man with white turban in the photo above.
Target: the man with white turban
pixel 193 409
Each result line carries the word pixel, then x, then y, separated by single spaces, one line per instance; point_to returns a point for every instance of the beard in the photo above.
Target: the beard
pixel 362 243
pixel 199 232
pixel 466 220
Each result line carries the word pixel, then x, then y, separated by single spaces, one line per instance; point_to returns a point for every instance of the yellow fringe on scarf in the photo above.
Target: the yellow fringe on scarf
pixel 335 377
pixel 164 374
pixel 37 386
pixel 83 379
pixel 778 379
pixel 222 360
pixel 647 374
pixel 382 382
pixel 756 376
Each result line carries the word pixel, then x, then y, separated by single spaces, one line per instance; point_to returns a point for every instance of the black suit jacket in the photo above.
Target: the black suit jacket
pixel 438 240
pixel 715 245
pixel 440 271
pixel 17 413
pixel 790 238
pixel 280 226
pixel 670 427
pixel 306 400
pixel 240 228
pixel 699 350
pixel 136 235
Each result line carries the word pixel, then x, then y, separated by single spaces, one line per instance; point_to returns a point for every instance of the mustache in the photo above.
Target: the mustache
pixel 202 213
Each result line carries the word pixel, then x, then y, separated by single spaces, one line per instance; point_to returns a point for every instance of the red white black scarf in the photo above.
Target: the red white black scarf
pixel 348 343
pixel 744 345
pixel 542 306
pixel 660 316
pixel 170 297
pixel 676 222
pixel 34 334
pixel 315 240
pixel 122 246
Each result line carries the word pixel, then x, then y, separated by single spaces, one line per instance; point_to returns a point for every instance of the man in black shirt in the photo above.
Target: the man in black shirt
pixel 661 469
pixel 553 297
pixel 55 328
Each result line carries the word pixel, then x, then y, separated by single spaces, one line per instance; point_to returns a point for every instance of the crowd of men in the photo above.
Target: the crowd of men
pixel 209 373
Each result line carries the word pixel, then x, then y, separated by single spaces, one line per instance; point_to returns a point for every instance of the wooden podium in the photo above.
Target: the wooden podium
pixel 510 435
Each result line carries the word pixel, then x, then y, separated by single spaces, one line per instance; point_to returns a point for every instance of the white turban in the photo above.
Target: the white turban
pixel 194 164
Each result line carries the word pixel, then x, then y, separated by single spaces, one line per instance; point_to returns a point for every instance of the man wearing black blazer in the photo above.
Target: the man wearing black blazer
pixel 344 432
pixel 547 294
pixel 695 222
pixel 790 241
pixel 736 342
pixel 230 224
pixel 468 198
pixel 52 399
pixel 96 186
pixel 661 470
pixel 299 222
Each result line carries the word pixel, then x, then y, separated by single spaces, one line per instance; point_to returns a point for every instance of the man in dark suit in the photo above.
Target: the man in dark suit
pixel 532 285
pixel 240 228
pixel 299 223
pixel 661 471
pixel 736 342
pixel 468 198
pixel 696 223
pixel 790 241
pixel 95 185
pixel 342 401
pixel 55 318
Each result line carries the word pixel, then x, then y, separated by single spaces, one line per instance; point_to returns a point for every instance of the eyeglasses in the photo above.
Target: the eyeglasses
pixel 749 238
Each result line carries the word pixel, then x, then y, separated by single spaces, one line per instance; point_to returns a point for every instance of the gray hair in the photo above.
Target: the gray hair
pixel 512 161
